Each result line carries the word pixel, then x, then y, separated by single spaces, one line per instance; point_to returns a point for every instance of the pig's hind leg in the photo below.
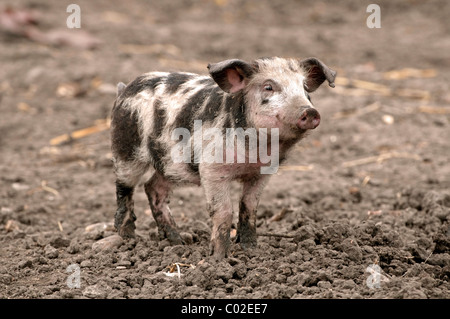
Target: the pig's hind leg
pixel 125 217
pixel 158 189
pixel 128 174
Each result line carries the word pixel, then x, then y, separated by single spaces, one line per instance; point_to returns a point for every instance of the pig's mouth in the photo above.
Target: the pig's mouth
pixel 309 119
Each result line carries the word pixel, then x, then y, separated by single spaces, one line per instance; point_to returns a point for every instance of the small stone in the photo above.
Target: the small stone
pixel 74 247
pixel 187 238
pixel 152 269
pixel 50 252
pixel 94 292
pixel 351 247
pixel 348 284
pixel 6 210
pixel 5 279
pixel 20 187
pixel 70 90
pixel 324 284
pixel 388 119
pixel 304 233
pixel 25 263
pixel 163 244
pixel 60 242
pixel 86 264
pixel 176 250
pixel 115 294
pixel 124 263
pixel 99 227
pixel 67 293
pixel 441 260
pixel 12 225
pixel 17 234
pixel 107 243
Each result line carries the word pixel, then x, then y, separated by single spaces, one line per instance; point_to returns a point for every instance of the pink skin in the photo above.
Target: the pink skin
pixel 235 80
pixel 309 119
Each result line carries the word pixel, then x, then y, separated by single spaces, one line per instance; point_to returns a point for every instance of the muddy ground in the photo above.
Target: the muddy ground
pixel 368 190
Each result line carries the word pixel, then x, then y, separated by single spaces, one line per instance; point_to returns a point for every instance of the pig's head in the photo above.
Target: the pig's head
pixel 276 91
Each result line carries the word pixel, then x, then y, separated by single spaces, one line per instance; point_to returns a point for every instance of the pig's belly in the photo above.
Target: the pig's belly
pixel 182 173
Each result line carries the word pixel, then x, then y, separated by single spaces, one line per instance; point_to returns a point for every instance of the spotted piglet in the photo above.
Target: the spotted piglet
pixel 237 124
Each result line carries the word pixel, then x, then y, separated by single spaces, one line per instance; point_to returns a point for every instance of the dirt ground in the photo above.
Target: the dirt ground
pixel 363 201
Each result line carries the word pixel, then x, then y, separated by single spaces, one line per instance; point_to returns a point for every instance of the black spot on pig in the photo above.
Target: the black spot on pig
pixel 226 124
pixel 160 119
pixel 185 119
pixel 140 84
pixel 235 106
pixel 175 80
pixel 213 106
pixel 125 136
pixel 206 81
pixel 157 149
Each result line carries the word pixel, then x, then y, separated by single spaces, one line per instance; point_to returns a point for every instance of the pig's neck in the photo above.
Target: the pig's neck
pixel 286 146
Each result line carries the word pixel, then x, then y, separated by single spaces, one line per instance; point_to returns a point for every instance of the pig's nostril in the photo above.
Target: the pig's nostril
pixel 309 119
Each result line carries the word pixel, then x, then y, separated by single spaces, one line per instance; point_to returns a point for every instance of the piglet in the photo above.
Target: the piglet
pixel 237 124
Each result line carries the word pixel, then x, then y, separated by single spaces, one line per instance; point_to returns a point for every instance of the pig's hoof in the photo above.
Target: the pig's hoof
pixel 172 235
pixel 127 231
pixel 218 255
pixel 124 223
pixel 248 245
pixel 218 252
pixel 175 239
pixel 247 239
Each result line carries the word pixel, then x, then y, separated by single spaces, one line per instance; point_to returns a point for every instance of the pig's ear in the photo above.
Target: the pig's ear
pixel 316 73
pixel 231 75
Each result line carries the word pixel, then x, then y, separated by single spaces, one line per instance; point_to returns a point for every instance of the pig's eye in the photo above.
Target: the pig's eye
pixel 270 86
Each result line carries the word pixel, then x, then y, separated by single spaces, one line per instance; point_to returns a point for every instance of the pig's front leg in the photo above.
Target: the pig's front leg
pixel 220 209
pixel 251 192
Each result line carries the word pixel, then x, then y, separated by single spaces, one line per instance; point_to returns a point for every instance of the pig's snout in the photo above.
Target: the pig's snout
pixel 309 119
